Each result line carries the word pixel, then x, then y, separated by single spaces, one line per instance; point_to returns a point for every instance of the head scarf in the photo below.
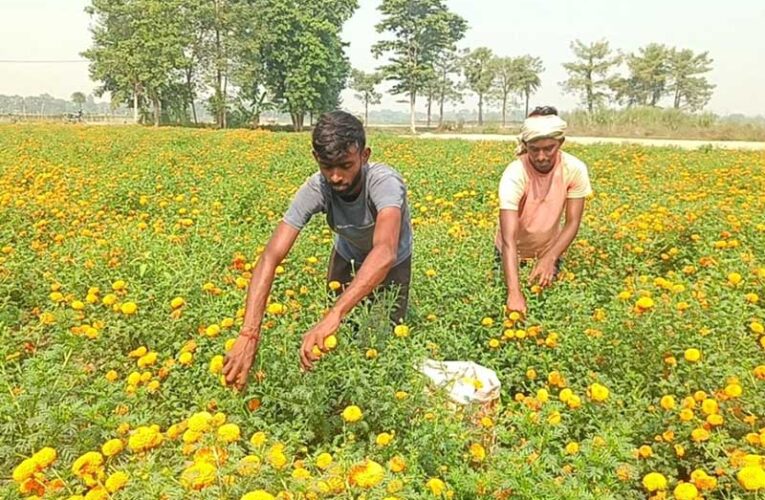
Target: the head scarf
pixel 540 127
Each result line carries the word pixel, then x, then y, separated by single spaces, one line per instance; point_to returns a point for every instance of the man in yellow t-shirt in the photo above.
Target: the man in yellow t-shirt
pixel 534 192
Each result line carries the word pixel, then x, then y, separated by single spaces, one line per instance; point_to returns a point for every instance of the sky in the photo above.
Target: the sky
pixel 733 32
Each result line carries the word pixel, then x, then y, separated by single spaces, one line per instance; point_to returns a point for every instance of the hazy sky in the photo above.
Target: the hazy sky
pixel 733 32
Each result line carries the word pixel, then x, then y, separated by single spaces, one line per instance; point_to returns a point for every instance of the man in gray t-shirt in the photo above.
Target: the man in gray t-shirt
pixel 365 205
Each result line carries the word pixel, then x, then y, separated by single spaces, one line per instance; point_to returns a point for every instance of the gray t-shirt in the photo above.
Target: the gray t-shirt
pixel 354 221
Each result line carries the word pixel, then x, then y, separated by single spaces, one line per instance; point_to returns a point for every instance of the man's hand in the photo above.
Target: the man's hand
pixel 238 361
pixel 544 271
pixel 315 338
pixel 516 302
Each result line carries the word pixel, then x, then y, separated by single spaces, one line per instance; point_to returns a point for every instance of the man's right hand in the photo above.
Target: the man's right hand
pixel 516 302
pixel 238 361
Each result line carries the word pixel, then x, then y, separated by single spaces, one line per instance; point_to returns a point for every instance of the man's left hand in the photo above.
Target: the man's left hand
pixel 544 271
pixel 315 338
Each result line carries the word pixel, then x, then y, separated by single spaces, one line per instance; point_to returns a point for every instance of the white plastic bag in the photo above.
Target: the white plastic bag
pixel 465 381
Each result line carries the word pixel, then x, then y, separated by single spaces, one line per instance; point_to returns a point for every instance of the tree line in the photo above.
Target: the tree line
pixel 244 57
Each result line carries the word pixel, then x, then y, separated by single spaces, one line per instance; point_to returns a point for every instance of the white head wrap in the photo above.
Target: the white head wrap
pixel 540 127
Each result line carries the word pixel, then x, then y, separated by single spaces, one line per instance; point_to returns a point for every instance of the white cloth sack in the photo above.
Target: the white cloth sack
pixel 464 381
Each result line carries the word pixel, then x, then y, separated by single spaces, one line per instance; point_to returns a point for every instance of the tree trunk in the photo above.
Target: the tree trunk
pixel 442 98
pixel 677 98
pixel 480 110
pixel 366 112
pixel 297 120
pixel 412 98
pixel 157 109
pixel 430 103
pixel 527 94
pixel 504 110
pixel 135 103
pixel 190 90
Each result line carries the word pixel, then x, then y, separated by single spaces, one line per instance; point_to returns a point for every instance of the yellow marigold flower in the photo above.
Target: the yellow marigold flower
pixel 709 406
pixel 477 452
pixel 78 305
pixel 109 299
pixel 199 475
pixel 598 392
pixel 644 303
pixel 334 285
pixel 686 491
pixel 352 414
pixel 116 481
pixel 301 474
pixel 258 495
pixel 258 439
pixel 87 463
pixel 653 481
pixel 276 456
pixel 212 330
pixel 757 327
pixel 112 447
pixel 572 448
pixel 699 434
pixel 383 439
pixel 129 308
pixel 200 422
pixel 139 352
pixel 554 418
pixel 229 433
pixel 144 438
pixel 44 457
pixel 397 464
pixel 692 355
pixel 487 321
pixel 751 478
pixel 248 465
pixel 734 278
pixel 436 486
pixel 177 302
pixel 147 360
pixel 543 395
pixel 330 342
pixel 276 309
pixel 667 402
pixel 702 480
pixel 25 470
pixel 401 331
pixel 323 461
pixel 119 285
pixel 216 364
pixel 645 451
pixel 112 375
pixel 371 353
pixel 367 474
pixel 97 493
pixel 186 358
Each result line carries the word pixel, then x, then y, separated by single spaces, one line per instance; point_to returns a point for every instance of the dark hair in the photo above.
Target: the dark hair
pixel 335 133
pixel 543 111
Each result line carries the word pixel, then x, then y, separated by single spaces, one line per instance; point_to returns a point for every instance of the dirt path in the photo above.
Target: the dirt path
pixel 678 143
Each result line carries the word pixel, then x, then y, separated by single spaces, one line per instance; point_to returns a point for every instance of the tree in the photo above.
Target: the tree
pixel 528 78
pixel 305 67
pixel 364 85
pixel 480 70
pixel 689 90
pixel 506 83
pixel 588 75
pixel 420 30
pixel 649 73
pixel 446 66
pixel 78 98
pixel 137 49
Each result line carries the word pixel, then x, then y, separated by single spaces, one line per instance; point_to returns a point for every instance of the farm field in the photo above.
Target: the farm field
pixel 124 259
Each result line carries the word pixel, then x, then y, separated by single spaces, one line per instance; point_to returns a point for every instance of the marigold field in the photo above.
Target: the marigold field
pixel 125 256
